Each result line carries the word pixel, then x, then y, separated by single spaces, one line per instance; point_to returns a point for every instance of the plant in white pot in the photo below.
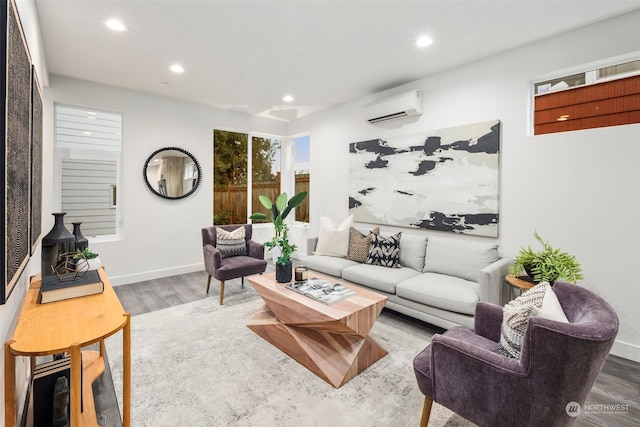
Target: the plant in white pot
pixel 88 257
pixel 278 211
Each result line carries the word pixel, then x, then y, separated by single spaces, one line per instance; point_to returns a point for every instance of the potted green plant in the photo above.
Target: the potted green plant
pixel 548 265
pixel 278 211
pixel 88 257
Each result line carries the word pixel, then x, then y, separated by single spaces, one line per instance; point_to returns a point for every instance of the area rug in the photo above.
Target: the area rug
pixel 197 364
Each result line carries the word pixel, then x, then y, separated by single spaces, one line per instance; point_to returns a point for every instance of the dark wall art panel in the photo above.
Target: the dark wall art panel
pixel 16 117
pixel 444 180
pixel 36 162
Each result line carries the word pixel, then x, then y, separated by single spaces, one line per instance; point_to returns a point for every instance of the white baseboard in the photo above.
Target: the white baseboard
pixel 155 274
pixel 626 351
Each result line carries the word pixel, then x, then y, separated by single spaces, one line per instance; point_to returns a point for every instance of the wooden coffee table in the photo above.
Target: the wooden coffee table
pixel 332 341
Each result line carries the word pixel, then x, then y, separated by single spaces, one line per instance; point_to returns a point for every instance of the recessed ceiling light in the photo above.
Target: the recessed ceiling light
pixel 287 98
pixel 424 41
pixel 116 25
pixel 177 68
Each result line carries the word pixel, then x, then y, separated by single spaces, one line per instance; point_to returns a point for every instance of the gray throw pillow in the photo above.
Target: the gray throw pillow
pixel 231 243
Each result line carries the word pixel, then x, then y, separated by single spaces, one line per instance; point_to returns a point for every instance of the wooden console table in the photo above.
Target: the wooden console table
pixel 67 326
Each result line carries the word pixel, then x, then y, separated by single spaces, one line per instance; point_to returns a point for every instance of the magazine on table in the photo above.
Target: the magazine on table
pixel 322 290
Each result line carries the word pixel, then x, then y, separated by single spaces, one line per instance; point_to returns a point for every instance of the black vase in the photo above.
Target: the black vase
pixel 58 241
pixel 81 241
pixel 284 272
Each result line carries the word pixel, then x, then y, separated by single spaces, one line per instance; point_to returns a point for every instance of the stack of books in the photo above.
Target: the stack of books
pixel 54 289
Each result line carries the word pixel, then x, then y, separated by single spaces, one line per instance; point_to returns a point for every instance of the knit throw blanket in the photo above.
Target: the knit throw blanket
pixel 515 317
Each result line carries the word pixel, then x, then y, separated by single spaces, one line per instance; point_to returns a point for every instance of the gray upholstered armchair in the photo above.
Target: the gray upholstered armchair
pixel 231 267
pixel 463 370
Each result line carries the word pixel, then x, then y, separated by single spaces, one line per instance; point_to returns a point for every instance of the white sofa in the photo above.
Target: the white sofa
pixel 440 281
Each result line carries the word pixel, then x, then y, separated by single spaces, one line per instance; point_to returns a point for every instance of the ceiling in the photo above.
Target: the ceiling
pixel 246 55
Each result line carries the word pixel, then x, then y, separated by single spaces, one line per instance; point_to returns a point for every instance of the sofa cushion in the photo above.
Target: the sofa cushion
pixel 412 250
pixel 333 240
pixel 515 318
pixel 231 243
pixel 326 264
pixel 384 252
pixel 442 291
pixel 377 277
pixel 359 244
pixel 459 258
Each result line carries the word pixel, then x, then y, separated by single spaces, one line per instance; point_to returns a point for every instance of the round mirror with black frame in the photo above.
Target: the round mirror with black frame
pixel 172 173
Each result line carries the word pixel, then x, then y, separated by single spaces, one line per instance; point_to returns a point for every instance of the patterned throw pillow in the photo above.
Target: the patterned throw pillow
pixel 359 244
pixel 231 243
pixel 515 317
pixel 384 252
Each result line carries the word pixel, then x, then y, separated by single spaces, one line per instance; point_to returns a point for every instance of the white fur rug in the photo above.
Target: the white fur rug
pixel 198 364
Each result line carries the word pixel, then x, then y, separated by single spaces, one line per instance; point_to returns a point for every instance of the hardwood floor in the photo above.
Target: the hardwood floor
pixel 614 399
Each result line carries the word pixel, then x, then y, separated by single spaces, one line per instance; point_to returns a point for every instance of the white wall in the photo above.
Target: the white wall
pixel 160 237
pixel 580 190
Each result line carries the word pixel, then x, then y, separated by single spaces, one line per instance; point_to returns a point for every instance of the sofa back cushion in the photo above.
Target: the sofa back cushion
pixel 412 250
pixel 459 258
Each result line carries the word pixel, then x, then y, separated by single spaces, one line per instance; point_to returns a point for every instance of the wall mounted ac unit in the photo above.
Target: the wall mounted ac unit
pixel 396 107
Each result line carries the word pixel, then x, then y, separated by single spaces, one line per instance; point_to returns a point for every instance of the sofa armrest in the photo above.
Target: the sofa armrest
pixel 312 242
pixel 255 249
pixel 488 320
pixel 492 284
pixel 212 258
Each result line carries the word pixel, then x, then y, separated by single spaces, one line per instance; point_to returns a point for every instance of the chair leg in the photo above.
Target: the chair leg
pixel 426 411
pixel 221 292
pixel 208 283
pixel 242 282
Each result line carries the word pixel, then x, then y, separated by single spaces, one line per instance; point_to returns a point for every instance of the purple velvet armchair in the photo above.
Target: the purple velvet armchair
pixel 463 370
pixel 231 267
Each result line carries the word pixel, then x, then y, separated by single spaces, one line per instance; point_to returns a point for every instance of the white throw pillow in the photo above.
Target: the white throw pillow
pixel 551 308
pixel 333 240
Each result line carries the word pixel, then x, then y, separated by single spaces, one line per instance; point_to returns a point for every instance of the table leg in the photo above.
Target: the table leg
pixel 76 385
pixel 126 372
pixel 9 386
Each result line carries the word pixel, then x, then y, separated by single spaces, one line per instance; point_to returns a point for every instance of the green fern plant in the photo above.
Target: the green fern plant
pixel 548 264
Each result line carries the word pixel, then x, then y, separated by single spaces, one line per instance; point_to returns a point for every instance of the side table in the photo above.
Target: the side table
pixel 67 326
pixel 517 283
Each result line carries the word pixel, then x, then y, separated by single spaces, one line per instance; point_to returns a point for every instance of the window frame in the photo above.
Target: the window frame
pixel 63 153
pixel 590 70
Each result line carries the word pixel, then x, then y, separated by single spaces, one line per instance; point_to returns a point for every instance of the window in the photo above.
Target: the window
pixel 233 185
pixel 88 145
pixel 301 146
pixel 266 171
pixel 607 95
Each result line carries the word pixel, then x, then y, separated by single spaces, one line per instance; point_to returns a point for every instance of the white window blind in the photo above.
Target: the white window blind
pixel 85 129
pixel 88 147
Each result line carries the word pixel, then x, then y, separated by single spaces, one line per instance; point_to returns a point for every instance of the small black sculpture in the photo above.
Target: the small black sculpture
pixel 60 403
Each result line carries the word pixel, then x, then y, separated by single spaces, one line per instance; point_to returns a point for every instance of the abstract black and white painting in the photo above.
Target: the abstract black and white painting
pixel 443 180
